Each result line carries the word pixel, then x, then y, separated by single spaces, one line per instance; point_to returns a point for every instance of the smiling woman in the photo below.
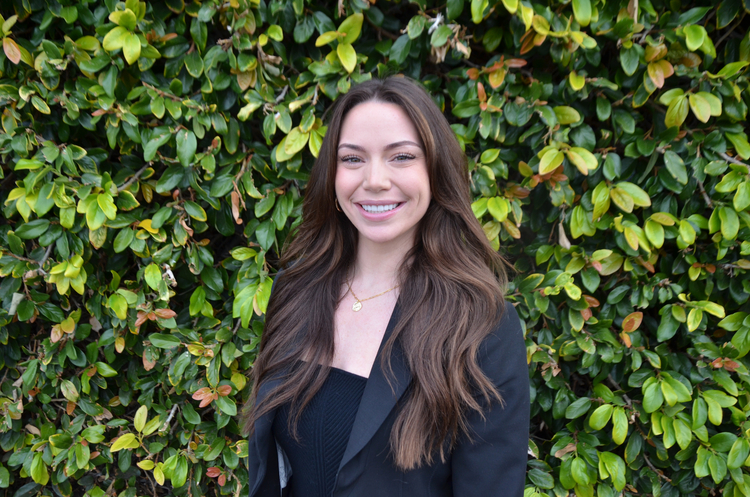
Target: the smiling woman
pixel 389 360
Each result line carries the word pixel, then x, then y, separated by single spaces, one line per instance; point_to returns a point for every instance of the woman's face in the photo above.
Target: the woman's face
pixel 382 183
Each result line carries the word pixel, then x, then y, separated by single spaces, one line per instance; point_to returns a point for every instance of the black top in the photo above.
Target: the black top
pixel 323 431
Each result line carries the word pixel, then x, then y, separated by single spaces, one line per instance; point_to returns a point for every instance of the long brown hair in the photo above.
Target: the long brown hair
pixel 451 293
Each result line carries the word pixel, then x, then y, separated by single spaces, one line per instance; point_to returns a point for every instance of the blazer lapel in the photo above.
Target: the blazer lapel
pixel 379 398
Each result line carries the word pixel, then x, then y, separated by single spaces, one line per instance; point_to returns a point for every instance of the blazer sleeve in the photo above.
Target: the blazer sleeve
pixel 493 463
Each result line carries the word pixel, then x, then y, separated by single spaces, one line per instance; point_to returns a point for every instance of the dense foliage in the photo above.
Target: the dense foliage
pixel 154 155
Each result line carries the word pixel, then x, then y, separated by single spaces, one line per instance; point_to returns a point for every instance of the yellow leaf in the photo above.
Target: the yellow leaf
pixel 146 225
pixel 123 442
pixel 347 56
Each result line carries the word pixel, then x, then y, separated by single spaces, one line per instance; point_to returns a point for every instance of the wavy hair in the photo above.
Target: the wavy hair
pixel 451 298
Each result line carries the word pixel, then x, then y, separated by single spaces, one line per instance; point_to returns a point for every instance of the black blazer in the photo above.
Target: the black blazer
pixel 493 465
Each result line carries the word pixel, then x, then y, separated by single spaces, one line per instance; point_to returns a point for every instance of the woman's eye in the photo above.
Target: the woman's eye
pixel 350 158
pixel 404 157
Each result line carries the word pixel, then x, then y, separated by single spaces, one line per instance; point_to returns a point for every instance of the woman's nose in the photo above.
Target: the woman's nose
pixel 377 176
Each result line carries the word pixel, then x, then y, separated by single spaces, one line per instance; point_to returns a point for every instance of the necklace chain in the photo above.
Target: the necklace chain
pixel 358 302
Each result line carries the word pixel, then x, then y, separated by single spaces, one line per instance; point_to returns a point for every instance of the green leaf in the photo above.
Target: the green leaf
pixel 105 370
pixel 582 11
pixel 600 417
pixel 550 161
pixel 477 11
pixel 700 106
pixel 440 35
pixel 730 223
pixel 619 425
pixel 153 276
pixel 32 229
pixel 131 48
pixel 163 341
pixel 351 27
pixel 139 421
pixel 740 143
pixel 741 199
pixel 39 472
pixel 694 36
pixel 125 18
pixel 566 115
pixel 676 166
pixel 226 405
pixel 195 211
pixel 738 453
pixel 186 146
pixel 676 112
pixel 118 304
pixel 115 39
pixel 69 390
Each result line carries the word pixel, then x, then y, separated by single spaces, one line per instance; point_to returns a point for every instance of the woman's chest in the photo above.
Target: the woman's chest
pixel 358 334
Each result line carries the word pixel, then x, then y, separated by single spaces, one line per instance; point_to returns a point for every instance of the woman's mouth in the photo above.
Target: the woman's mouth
pixel 377 209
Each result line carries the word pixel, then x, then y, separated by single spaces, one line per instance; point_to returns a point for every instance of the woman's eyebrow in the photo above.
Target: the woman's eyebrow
pixel 388 147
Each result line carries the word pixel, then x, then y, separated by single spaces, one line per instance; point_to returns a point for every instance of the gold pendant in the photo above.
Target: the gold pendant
pixel 357 306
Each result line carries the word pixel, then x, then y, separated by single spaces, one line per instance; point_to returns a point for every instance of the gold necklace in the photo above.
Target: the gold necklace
pixel 358 303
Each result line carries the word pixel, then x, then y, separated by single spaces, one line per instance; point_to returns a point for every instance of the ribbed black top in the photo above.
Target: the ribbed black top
pixel 323 430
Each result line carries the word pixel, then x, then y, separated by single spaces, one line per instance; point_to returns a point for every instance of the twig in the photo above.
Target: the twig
pixel 133 179
pixel 283 94
pixel 618 387
pixel 705 196
pixel 731 159
pixel 162 93
pixel 44 258
pixel 655 470
pixel 169 418
pixel 380 30
pixel 724 37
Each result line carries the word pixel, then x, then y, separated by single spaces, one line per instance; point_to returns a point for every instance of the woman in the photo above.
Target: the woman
pixel 389 364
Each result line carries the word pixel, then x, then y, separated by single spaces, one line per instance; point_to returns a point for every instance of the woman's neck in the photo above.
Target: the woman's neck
pixel 377 265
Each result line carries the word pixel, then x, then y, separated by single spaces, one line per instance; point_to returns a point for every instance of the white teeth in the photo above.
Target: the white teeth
pixel 378 208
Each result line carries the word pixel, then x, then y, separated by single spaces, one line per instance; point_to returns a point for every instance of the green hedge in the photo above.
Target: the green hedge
pixel 154 157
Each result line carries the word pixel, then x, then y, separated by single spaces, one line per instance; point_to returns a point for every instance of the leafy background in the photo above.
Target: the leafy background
pixel 154 156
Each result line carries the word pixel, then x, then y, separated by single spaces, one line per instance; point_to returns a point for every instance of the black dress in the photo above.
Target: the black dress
pixel 323 431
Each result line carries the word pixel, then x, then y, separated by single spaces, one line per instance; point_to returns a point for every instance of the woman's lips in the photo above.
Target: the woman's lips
pixel 378 214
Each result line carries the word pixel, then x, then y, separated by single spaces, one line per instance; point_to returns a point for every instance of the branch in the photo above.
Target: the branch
pixel 731 159
pixel 133 179
pixel 44 258
pixel 381 31
pixel 705 196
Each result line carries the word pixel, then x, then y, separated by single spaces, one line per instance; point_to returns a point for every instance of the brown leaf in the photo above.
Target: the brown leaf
pixel 571 447
pixel 148 364
pixel 236 207
pixel 142 317
pixel 213 472
pixel 591 301
pixel 222 480
pixel 473 74
pixel 164 313
pixel 11 50
pixel 586 314
pixel 70 407
pixel 202 393
pixel 626 339
pixel 224 390
pixel 516 63
pixel 56 334
pixel 481 93
pixel 632 322
pixel 185 226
